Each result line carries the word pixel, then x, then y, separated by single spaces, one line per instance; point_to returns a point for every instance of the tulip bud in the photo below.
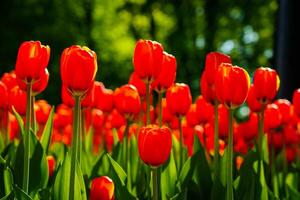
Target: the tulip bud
pixel 102 188
pixel 51 165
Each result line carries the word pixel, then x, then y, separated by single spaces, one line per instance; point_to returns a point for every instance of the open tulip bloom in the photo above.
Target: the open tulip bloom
pixel 235 138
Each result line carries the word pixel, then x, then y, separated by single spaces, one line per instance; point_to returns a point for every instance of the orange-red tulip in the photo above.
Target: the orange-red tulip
pixel 212 62
pixel 10 80
pixel 254 104
pixel 127 100
pixel 179 99
pixel 78 67
pixel 102 188
pixel 273 117
pixel 42 110
pixel 154 144
pixel 204 110
pixel 103 98
pixel 296 102
pixel 266 83
pixel 17 99
pixel 285 109
pixel 3 96
pixel 51 165
pixel 147 59
pixel 33 58
pixel 232 85
pixel 208 91
pixel 167 74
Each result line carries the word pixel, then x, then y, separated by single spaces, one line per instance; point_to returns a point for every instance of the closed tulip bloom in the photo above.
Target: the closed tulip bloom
pixel 78 67
pixel 42 111
pixel 249 128
pixel 167 74
pixel 135 80
pixel 51 165
pixel 3 96
pixel 208 91
pixel 102 189
pixel 204 110
pixel 103 97
pixel 273 117
pixel 17 99
pixel 285 109
pixel 147 59
pixel 232 85
pixel 154 144
pixel 39 85
pixel 212 62
pixel 9 79
pixel 296 102
pixel 32 59
pixel 191 116
pixel 266 81
pixel 127 100
pixel 179 99
pixel 253 103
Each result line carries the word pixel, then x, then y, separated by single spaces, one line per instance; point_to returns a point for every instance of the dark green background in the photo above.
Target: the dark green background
pixel 187 29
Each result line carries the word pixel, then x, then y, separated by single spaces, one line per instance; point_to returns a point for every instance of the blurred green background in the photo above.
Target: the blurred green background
pixel 187 29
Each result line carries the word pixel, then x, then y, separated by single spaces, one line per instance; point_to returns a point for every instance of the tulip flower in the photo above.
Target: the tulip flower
pixel 208 91
pixel 51 165
pixel 285 109
pixel 103 97
pixel 296 102
pixel 204 110
pixel 102 188
pixel 154 145
pixel 32 59
pixel 10 80
pixel 42 111
pixel 232 95
pixel 254 104
pixel 78 67
pixel 266 81
pixel 4 96
pixel 17 99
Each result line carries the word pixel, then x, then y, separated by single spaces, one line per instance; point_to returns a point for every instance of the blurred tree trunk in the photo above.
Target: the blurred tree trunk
pixel 89 5
pixel 285 58
pixel 211 9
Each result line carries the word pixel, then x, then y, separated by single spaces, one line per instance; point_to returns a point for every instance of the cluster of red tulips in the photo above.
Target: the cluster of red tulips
pixel 105 144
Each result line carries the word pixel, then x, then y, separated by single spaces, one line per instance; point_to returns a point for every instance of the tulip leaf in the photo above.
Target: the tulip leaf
pixel 20 194
pixel 38 171
pixel 100 167
pixel 47 132
pixel 19 120
pixel 8 180
pixel 265 149
pixel 9 196
pixel 168 178
pixel 2 160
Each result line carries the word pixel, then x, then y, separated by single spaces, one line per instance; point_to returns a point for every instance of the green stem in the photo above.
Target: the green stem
pixel 261 118
pixel 33 116
pixel 83 132
pixel 160 108
pixel 230 157
pixel 126 138
pixel 180 144
pixel 216 140
pixel 273 169
pixel 148 102
pixel 27 139
pixel 155 183
pixel 75 143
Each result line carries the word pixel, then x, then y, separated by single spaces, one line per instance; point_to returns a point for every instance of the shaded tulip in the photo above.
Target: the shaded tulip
pixel 127 100
pixel 167 74
pixel 51 165
pixel 285 109
pixel 102 188
pixel 249 128
pixel 296 102
pixel 17 99
pixel 166 115
pixel 204 110
pixel 212 61
pixel 42 111
pixel 179 99
pixel 138 83
pixel 147 59
pixel 103 98
pixel 9 79
pixel 3 96
pixel 208 91
pixel 78 67
pixel 154 144
pixel 266 83
pixel 253 103
pixel 32 59
pixel 232 85
pixel 272 117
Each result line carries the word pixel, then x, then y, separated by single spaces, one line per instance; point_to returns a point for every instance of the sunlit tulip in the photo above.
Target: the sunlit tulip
pixel 102 189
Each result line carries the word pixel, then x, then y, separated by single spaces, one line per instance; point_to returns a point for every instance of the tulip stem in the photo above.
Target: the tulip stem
pixel 160 108
pixel 260 132
pixel 155 183
pixel 33 117
pixel 75 143
pixel 147 102
pixel 216 140
pixel 180 144
pixel 230 156
pixel 27 139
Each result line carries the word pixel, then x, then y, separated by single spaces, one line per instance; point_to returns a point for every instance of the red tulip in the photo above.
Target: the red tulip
pixel 285 109
pixel 191 116
pixel 266 83
pixel 168 73
pixel 166 115
pixel 296 102
pixel 138 83
pixel 147 59
pixel 10 80
pixel 249 129
pixel 102 189
pixel 212 62
pixel 179 99
pixel 78 67
pixel 103 98
pixel 87 99
pixel 33 57
pixel 154 144
pixel 208 91
pixel 232 85
pixel 127 100
pixel 39 85
pixel 204 110
pixel 17 99
pixel 3 96
pixel 51 165
pixel 42 110
pixel 254 104
pixel 98 119
pixel 272 117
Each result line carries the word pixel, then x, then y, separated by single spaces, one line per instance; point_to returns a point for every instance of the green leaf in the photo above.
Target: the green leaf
pixel 20 194
pixel 265 149
pixel 38 171
pixel 118 170
pixel 46 137
pixel 2 160
pixel 264 191
pixel 134 159
pixel 168 178
pixel 179 196
pixel 10 196
pixel 20 121
pixel 8 180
